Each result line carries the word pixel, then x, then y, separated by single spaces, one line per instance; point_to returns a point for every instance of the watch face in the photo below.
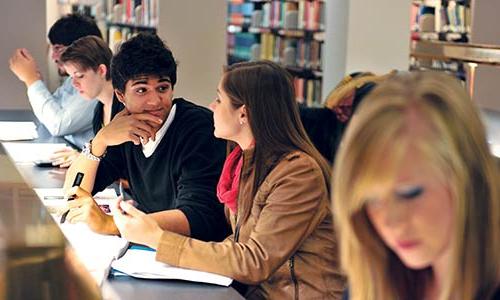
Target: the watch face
pixel 86 148
pixel 87 151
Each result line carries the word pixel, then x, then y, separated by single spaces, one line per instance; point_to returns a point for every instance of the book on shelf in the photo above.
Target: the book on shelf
pixel 118 19
pixel 440 20
pixel 141 13
pixel 307 91
pixel 447 20
pixel 289 33
pixel 128 17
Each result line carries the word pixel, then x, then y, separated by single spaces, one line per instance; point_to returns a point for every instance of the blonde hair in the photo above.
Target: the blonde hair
pixel 349 83
pixel 454 142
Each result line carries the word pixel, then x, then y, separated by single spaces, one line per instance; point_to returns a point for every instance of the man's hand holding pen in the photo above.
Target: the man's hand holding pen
pixel 85 209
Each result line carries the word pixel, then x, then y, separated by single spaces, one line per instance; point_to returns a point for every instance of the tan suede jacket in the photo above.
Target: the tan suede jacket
pixel 285 250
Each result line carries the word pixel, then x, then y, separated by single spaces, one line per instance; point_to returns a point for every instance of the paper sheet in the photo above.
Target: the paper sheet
pixel 141 263
pixel 29 152
pixel 17 131
pixel 495 149
pixel 96 251
pixel 55 200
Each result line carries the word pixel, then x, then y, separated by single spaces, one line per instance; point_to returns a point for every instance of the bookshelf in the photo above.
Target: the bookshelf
pixel 117 19
pixel 287 32
pixel 464 41
pixel 440 21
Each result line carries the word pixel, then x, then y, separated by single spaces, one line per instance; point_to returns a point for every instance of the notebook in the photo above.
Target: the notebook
pixel 140 262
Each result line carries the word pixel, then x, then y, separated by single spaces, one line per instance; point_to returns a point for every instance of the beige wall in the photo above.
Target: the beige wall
pixel 365 35
pixel 195 31
pixel 335 47
pixel 23 25
pixel 378 36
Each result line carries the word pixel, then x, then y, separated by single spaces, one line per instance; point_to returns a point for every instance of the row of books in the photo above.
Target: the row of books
pixel 240 13
pixel 303 15
pixel 451 16
pixel 455 68
pixel 308 91
pixel 286 51
pixel 291 52
pixel 134 12
pixel 455 17
pixel 119 34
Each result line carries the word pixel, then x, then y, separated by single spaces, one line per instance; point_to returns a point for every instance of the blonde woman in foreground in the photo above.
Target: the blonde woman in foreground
pixel 416 195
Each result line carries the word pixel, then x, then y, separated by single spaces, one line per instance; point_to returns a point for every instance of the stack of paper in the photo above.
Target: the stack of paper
pixel 29 152
pixel 141 263
pixel 96 251
pixel 17 131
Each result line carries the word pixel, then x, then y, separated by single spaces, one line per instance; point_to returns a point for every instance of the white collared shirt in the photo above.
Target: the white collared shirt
pixel 149 148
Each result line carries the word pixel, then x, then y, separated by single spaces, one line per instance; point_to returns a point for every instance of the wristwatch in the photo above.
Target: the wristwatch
pixel 87 151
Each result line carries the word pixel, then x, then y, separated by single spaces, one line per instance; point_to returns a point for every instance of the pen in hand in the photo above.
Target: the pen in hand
pixel 120 190
pixel 78 180
pixel 124 197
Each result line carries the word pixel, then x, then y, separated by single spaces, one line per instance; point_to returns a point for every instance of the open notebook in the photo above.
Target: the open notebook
pixel 140 262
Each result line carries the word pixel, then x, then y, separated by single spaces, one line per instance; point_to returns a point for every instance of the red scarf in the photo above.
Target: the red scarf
pixel 227 188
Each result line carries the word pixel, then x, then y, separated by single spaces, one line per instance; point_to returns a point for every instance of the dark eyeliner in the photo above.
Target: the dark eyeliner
pixel 410 193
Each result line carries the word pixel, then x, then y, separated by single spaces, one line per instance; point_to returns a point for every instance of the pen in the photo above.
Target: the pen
pixel 76 182
pixel 123 195
pixel 53 197
pixel 120 190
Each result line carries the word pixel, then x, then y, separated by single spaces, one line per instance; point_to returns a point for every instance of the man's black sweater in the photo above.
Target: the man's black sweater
pixel 182 173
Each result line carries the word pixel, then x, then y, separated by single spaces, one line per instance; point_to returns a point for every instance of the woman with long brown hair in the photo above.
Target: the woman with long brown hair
pixel 275 186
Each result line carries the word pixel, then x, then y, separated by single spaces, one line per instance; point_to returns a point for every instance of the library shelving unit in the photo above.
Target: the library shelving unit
pixel 440 21
pixel 287 32
pixel 118 19
pixel 460 37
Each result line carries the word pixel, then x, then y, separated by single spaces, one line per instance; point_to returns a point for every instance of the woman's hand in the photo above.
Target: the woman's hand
pixel 64 157
pixel 136 226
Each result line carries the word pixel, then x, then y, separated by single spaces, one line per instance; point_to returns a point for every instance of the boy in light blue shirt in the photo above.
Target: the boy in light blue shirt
pixel 64 112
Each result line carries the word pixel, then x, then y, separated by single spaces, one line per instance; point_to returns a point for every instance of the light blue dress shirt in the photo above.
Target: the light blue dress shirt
pixel 64 113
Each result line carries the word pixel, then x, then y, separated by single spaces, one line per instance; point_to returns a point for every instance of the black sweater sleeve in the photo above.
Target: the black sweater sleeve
pixel 200 164
pixel 110 168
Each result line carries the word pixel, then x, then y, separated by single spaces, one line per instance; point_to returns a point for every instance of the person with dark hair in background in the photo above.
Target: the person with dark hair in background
pixel 64 112
pixel 87 61
pixel 164 147
pixel 275 186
